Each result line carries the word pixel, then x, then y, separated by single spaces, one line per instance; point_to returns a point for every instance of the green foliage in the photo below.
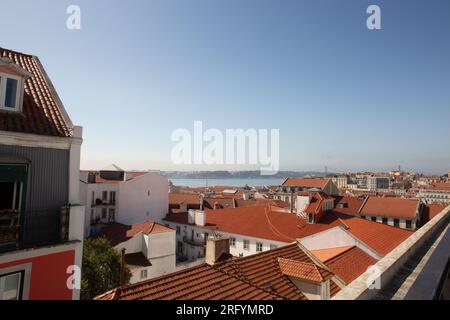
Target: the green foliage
pixel 406 184
pixel 101 268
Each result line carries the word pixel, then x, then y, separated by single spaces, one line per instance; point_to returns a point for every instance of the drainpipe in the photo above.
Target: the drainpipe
pixel 122 268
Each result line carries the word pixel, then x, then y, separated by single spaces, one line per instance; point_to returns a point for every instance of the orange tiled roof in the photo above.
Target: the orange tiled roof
pixel 306 182
pixel 430 211
pixel 389 207
pixel 329 253
pixel 41 112
pixel 350 264
pixel 443 186
pixel 266 223
pixel 345 204
pixel 303 270
pixel 117 232
pixel 255 277
pixel 198 283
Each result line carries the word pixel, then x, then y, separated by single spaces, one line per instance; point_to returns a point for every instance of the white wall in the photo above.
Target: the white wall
pixel 158 248
pixel 143 198
pixel 192 252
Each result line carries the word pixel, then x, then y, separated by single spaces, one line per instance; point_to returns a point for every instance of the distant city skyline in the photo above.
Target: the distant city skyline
pixel 342 96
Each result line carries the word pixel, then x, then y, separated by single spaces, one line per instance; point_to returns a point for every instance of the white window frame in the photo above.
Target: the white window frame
pixel 232 242
pixel 19 93
pixel 144 272
pixel 248 244
pixel 259 244
pixel 25 278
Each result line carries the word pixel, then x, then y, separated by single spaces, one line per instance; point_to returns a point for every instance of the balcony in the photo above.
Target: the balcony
pixel 193 242
pixel 31 229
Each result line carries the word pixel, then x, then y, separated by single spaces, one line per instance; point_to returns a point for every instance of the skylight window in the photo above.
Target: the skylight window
pixel 10 92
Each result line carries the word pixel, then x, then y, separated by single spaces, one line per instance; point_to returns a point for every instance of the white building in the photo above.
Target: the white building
pixel 113 195
pixel 149 248
pixel 436 193
pixel 378 183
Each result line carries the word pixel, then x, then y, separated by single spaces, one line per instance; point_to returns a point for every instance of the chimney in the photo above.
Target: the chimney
pixel 122 268
pixel 215 248
pixel 201 198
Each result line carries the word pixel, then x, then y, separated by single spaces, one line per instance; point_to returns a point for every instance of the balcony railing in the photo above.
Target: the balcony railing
pixel 31 229
pixel 193 242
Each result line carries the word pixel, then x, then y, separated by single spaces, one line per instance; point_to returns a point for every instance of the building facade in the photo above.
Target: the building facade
pixel 41 221
pixel 113 195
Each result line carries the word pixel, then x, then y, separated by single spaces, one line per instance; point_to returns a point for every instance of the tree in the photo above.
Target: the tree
pixel 406 184
pixel 100 269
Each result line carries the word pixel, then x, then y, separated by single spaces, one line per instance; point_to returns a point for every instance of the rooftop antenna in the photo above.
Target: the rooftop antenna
pixel 326 171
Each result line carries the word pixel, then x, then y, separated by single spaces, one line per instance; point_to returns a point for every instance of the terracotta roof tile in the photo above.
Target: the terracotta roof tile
pixel 350 264
pixel 117 233
pixel 390 207
pixel 306 182
pixel 255 277
pixel 263 222
pixel 303 270
pixel 41 112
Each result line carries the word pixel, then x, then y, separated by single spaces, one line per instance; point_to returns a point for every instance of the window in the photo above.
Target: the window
pixel 112 214
pixel 396 223
pixel 259 247
pixel 103 213
pixel 105 195
pixel 10 286
pixel 112 198
pixel 272 246
pixel 310 218
pixel 408 224
pixel 363 217
pixel 246 244
pixel 93 198
pixel 10 92
pixel 232 242
pixel 385 220
pixel 374 219
pixel 144 274
pixel 178 230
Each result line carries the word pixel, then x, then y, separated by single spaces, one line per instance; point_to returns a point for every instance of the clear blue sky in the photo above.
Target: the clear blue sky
pixel 341 95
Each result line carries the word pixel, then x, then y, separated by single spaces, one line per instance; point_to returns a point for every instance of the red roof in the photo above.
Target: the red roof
pixel 255 277
pixel 42 111
pixel 319 183
pixel 303 270
pixel 117 233
pixel 263 222
pixel 390 207
pixel 430 211
pixel 345 204
pixel 350 264
pixel 443 186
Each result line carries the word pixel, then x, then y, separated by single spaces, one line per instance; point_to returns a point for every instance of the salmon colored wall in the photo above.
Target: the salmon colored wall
pixel 48 275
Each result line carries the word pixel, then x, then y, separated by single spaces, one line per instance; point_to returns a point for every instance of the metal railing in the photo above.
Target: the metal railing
pixel 30 229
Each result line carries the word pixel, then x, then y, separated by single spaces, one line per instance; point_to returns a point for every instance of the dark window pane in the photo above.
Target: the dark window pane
pixel 11 93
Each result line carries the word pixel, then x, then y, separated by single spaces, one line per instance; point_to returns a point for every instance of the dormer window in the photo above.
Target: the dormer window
pixel 11 89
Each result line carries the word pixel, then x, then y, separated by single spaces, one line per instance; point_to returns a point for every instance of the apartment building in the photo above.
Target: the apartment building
pixel 397 212
pixel 114 195
pixel 149 248
pixel 341 181
pixel 261 228
pixel 375 183
pixel 438 192
pixel 291 187
pixel 41 221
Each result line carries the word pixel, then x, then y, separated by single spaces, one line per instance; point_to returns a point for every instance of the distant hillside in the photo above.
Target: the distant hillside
pixel 236 174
